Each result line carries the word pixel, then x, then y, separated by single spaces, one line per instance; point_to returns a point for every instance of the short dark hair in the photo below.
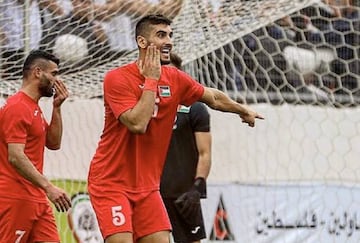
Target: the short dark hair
pixel 175 60
pixel 36 55
pixel 142 26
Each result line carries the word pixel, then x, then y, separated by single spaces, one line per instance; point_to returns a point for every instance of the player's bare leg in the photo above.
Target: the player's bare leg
pixel 120 238
pixel 158 237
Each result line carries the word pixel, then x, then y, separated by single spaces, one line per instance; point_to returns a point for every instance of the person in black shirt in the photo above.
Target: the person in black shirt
pixel 187 166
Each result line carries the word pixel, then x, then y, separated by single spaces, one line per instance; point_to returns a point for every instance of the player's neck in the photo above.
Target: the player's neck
pixel 32 91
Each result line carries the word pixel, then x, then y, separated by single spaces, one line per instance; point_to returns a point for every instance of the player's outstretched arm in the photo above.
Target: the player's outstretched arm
pixel 218 100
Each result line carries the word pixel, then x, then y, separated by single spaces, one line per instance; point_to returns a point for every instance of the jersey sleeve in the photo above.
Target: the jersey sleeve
pixel 16 120
pixel 192 91
pixel 118 93
pixel 199 117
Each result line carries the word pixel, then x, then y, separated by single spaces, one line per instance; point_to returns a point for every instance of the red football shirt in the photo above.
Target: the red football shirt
pixel 21 121
pixel 134 162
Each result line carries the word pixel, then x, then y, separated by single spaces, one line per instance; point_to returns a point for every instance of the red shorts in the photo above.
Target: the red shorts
pixel 138 213
pixel 25 221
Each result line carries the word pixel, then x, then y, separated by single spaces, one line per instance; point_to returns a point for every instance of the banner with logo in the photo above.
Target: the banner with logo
pixel 246 213
pixel 278 214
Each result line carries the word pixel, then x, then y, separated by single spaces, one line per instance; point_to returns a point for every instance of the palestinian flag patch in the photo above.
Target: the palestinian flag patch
pixel 164 91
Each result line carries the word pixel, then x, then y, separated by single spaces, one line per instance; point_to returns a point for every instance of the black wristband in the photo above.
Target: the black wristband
pixel 200 186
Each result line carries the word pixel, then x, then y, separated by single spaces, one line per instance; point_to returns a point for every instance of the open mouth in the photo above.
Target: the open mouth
pixel 166 50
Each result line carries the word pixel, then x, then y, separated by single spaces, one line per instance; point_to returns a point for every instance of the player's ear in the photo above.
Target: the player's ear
pixel 141 41
pixel 37 71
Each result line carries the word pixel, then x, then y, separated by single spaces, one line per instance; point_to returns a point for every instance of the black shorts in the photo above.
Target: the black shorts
pixel 183 232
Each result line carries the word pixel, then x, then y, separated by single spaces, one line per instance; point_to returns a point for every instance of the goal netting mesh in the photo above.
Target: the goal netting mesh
pixel 294 61
pixel 199 29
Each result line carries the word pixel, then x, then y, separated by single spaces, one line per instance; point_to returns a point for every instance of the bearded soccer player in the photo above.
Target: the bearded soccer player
pixel 141 100
pixel 25 212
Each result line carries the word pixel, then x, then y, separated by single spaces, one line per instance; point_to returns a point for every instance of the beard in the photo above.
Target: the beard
pixel 46 88
pixel 165 62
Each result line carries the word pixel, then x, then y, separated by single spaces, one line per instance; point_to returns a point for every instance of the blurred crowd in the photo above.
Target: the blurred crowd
pixel 82 33
pixel 315 50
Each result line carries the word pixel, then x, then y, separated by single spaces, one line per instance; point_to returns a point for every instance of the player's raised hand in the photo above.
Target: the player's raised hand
pixel 151 66
pixel 59 198
pixel 250 116
pixel 61 93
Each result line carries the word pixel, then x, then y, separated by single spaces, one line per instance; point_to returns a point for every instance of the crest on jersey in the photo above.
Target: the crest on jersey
pixel 164 91
pixel 183 109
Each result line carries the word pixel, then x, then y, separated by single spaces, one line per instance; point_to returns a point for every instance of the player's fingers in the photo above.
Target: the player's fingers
pixel 250 123
pixel 151 53
pixel 140 66
pixel 60 84
pixel 67 202
pixel 57 206
pixel 61 89
pixel 258 116
pixel 147 56
pixel 157 57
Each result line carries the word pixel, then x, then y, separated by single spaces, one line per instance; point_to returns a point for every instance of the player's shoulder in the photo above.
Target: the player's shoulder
pixel 169 70
pixel 124 68
pixel 16 100
pixel 18 104
pixel 120 72
pixel 199 109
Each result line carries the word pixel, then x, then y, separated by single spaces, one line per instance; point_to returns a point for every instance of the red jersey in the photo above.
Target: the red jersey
pixel 21 121
pixel 134 162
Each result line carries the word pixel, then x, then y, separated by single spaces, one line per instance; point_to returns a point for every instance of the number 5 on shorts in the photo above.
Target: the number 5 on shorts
pixel 118 216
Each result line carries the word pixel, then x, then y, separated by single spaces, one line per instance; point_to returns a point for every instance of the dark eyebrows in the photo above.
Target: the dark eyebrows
pixel 160 32
pixel 164 32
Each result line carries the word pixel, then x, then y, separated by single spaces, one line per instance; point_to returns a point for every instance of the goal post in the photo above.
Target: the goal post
pixel 294 61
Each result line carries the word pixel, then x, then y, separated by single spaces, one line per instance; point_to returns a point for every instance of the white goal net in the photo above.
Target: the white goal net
pixel 293 178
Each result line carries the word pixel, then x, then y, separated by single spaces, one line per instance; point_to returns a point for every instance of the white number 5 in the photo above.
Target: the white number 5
pixel 118 216
pixel 20 234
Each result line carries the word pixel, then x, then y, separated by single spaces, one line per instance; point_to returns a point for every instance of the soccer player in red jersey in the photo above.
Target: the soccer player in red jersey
pixel 25 212
pixel 141 100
